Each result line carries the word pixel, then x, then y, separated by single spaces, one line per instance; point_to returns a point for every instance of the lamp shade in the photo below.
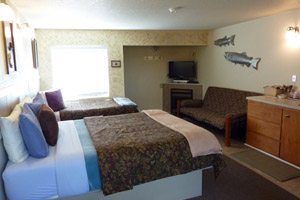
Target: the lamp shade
pixel 6 13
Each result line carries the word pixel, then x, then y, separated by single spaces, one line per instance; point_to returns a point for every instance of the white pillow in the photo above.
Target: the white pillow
pixel 12 138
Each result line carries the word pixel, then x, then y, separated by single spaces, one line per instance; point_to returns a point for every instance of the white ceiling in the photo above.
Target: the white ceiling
pixel 145 14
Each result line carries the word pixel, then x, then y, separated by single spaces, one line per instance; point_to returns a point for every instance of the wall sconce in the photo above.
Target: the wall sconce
pixel 292 36
pixel 6 13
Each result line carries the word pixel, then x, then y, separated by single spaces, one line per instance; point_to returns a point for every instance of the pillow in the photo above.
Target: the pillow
pixel 12 138
pixel 35 107
pixel 48 124
pixel 32 134
pixel 55 100
pixel 39 99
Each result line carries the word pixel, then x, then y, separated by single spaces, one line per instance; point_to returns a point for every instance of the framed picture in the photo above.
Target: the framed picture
pixel 9 47
pixel 116 63
pixel 34 53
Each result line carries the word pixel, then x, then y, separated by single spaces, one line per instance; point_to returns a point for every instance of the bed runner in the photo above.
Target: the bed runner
pixel 201 141
pixel 134 149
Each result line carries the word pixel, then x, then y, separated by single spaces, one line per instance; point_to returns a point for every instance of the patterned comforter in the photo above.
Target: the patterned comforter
pixel 134 149
pixel 78 109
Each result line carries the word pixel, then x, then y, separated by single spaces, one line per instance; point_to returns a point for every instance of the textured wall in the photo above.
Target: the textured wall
pixel 265 38
pixel 114 42
pixel 26 77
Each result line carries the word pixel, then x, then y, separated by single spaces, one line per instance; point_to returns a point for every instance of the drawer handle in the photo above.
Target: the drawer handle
pixel 287 116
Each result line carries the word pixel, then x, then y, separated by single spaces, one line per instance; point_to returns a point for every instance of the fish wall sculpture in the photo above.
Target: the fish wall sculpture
pixel 225 41
pixel 242 58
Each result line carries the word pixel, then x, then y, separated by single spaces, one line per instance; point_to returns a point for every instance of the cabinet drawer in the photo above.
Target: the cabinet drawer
pixel 264 128
pixel 265 112
pixel 264 143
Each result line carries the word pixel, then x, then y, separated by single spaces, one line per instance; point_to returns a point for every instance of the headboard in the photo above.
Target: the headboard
pixel 9 97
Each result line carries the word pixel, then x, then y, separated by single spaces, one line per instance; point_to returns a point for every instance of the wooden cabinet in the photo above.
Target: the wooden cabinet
pixel 275 130
pixel 263 127
pixel 290 136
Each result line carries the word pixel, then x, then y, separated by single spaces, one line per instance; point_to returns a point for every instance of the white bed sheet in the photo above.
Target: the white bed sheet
pixel 60 174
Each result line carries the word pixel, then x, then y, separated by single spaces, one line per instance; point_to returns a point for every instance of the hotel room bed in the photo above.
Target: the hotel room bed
pixel 78 109
pixel 132 149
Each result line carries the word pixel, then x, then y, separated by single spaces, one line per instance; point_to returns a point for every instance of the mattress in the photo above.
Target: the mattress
pixel 31 179
pixel 61 173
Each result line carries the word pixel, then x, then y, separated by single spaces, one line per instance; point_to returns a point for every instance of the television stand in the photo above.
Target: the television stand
pixel 180 81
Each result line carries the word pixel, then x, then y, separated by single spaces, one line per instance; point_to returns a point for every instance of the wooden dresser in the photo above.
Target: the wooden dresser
pixel 273 125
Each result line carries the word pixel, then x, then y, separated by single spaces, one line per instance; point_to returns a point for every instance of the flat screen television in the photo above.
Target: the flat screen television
pixel 182 70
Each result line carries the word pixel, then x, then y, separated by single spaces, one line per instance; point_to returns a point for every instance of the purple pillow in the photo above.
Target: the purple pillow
pixel 55 100
pixel 39 99
pixel 35 107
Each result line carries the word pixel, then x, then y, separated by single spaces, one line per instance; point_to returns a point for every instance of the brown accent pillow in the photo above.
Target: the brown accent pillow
pixel 48 124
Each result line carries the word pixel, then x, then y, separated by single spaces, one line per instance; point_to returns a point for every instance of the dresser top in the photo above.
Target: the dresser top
pixel 287 103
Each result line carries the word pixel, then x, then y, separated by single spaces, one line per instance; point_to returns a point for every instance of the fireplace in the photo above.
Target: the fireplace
pixel 179 94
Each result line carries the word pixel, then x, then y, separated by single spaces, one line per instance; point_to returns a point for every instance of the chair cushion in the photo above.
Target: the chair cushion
pixel 205 115
pixel 225 100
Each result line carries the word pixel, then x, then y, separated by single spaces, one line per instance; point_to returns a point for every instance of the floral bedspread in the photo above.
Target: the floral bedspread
pixel 134 149
pixel 78 109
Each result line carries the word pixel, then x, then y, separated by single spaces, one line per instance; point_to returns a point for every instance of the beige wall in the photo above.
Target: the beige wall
pixel 25 80
pixel 263 38
pixel 143 76
pixel 114 42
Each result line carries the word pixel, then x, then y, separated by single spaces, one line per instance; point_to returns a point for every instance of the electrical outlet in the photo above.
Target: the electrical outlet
pixel 294 78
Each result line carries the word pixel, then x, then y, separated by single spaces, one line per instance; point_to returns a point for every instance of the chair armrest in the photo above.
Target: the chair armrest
pixel 230 118
pixel 191 103
pixel 236 116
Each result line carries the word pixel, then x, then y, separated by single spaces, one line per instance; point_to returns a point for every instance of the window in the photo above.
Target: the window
pixel 80 71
